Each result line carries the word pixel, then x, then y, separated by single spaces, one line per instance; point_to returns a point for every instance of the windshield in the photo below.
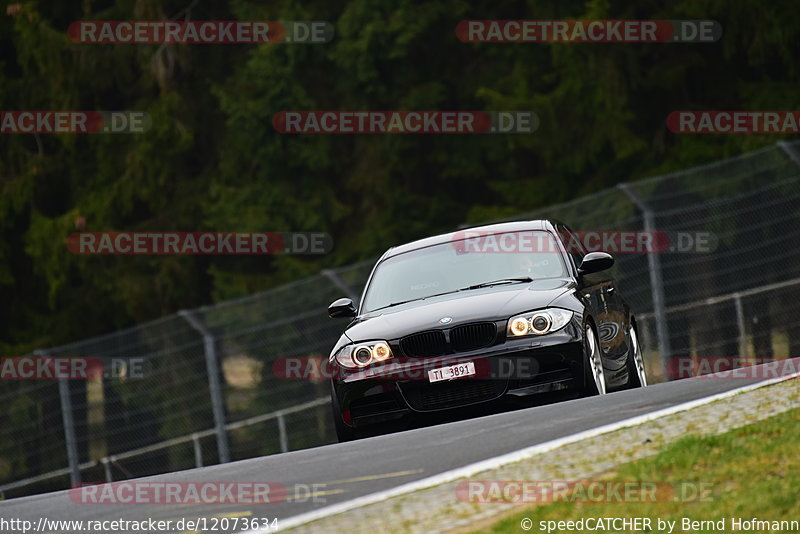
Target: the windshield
pixel 458 264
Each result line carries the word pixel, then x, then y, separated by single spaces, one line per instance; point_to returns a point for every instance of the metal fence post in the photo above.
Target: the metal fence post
pixel 198 452
pixel 656 281
pixel 283 437
pixel 107 469
pixel 214 387
pixel 69 426
pixel 737 300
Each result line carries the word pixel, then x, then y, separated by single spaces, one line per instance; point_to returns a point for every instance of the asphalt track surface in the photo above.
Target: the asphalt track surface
pixel 348 470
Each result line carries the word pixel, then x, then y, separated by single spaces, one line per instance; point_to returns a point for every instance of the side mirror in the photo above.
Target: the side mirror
pixel 594 262
pixel 343 307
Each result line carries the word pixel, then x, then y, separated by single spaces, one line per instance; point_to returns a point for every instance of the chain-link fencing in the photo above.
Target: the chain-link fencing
pixel 200 387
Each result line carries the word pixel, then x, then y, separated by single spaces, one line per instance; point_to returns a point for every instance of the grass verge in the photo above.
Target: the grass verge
pixel 749 472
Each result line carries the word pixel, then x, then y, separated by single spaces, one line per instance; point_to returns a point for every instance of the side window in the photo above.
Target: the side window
pixel 572 243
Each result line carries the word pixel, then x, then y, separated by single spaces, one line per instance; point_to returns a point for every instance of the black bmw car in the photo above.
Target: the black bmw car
pixel 507 313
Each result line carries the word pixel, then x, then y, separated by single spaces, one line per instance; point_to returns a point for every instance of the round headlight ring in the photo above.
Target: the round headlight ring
pixel 381 351
pixel 362 356
pixel 519 326
pixel 537 319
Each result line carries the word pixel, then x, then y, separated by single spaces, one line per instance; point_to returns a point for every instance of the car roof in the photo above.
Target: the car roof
pixel 499 228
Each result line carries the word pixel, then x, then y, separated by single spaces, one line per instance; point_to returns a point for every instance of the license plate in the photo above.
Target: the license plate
pixel 459 370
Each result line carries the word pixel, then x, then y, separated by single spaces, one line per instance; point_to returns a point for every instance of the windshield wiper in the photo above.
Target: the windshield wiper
pixel 499 282
pixel 476 286
pixel 412 300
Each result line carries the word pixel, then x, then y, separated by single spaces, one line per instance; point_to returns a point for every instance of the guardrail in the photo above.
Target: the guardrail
pixel 194 438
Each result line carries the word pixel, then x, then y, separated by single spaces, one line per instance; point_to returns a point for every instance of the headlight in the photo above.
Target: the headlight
pixel 362 354
pixel 538 322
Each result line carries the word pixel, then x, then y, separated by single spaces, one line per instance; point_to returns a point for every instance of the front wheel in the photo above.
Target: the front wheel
pixel 595 377
pixel 637 378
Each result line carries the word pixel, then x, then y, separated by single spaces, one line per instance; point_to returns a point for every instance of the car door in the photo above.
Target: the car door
pixel 590 286
pixel 598 291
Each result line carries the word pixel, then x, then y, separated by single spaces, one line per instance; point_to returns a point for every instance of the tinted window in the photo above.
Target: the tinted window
pixel 463 262
pixel 572 244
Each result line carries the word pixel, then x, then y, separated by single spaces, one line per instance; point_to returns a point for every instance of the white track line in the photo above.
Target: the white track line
pixel 497 461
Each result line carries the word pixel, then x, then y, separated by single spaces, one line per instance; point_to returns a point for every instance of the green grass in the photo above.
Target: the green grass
pixel 752 471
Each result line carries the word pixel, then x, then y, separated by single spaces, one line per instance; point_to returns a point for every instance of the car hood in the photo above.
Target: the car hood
pixel 488 304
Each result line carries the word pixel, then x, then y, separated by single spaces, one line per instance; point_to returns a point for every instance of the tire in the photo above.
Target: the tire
pixel 637 376
pixel 595 378
pixel 344 432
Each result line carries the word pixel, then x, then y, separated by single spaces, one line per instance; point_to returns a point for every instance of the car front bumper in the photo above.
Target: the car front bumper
pixel 518 369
